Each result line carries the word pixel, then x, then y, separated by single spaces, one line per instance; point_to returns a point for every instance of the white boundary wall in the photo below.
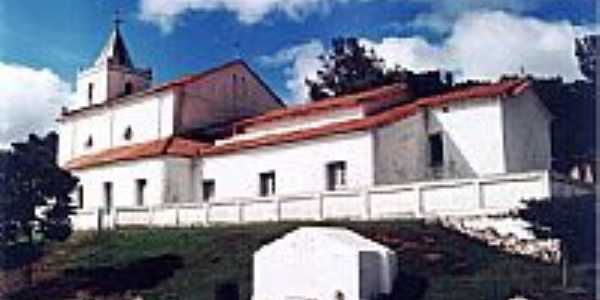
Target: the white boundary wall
pixel 462 197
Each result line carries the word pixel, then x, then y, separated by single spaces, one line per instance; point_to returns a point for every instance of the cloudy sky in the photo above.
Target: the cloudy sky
pixel 43 43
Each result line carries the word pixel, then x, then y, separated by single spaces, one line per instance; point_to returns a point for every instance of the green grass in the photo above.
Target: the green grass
pixel 450 265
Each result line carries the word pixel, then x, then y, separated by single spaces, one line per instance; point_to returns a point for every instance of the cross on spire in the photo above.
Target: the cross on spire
pixel 117 20
pixel 114 50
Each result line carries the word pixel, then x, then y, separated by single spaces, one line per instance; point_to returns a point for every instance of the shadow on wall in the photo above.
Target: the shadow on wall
pixel 455 164
pixel 105 281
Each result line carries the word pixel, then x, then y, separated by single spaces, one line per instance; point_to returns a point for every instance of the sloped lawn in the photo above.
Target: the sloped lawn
pixel 435 263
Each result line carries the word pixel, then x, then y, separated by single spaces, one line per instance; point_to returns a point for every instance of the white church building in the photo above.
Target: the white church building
pixel 222 135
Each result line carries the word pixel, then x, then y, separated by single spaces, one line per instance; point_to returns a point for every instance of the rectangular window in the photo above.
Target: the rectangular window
pixel 436 150
pixel 336 175
pixel 208 190
pixel 80 196
pixel 108 196
pixel 140 187
pixel 90 93
pixel 267 184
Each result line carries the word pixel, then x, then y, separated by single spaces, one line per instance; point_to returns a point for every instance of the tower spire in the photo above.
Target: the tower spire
pixel 114 51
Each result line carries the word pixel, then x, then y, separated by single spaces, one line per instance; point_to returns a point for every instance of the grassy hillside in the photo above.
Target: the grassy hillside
pixel 189 263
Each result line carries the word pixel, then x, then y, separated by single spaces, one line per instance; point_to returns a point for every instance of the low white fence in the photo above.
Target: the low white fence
pixel 478 196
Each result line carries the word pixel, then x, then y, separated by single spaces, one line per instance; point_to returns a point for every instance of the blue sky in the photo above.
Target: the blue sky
pixel 46 41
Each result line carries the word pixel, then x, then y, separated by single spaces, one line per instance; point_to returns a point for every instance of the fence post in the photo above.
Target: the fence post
pixel 320 198
pixel 151 216
pixel 207 207
pixel 100 218
pixel 547 182
pixel 479 193
pixel 113 218
pixel 278 209
pixel 177 217
pixel 240 207
pixel 366 196
pixel 420 205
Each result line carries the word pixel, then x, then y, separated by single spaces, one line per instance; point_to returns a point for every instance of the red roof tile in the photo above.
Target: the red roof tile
pixel 514 87
pixel 187 148
pixel 346 101
pixel 172 146
pixel 509 88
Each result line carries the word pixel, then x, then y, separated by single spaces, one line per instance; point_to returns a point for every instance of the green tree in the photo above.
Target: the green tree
pixel 587 50
pixel 35 201
pixel 348 67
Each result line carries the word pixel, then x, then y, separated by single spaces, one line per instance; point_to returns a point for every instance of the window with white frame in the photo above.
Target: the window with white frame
pixel 267 184
pixel 336 175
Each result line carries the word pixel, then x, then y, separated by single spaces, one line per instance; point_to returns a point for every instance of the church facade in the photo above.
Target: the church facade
pixel 119 108
pixel 223 134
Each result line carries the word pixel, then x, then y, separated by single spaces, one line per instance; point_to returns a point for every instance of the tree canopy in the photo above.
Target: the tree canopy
pixel 348 67
pixel 587 50
pixel 572 220
pixel 35 201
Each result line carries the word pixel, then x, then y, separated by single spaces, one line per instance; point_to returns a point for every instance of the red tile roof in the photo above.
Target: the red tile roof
pixel 170 85
pixel 176 146
pixel 173 146
pixel 509 88
pixel 347 101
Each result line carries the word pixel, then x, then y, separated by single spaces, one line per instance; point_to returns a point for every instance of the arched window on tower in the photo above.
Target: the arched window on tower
pixel 128 134
pixel 90 93
pixel 89 142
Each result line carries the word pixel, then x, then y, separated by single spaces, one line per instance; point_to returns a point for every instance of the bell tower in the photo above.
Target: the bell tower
pixel 113 73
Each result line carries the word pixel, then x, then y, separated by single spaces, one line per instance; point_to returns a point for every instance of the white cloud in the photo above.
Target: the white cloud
pixel 444 13
pixel 485 45
pixel 481 45
pixel 165 12
pixel 300 62
pixel 30 101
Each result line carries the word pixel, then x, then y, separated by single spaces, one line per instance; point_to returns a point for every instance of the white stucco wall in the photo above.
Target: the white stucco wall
pixel 97 125
pixel 474 130
pixel 97 76
pixel 527 136
pixel 182 182
pixel 109 82
pixel 123 176
pixel 168 180
pixel 315 263
pixel 299 167
pixel 65 142
pixel 298 123
pixel 150 118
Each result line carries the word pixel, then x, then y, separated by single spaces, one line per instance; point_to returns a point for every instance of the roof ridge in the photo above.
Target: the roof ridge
pixel 324 104
pixel 377 120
